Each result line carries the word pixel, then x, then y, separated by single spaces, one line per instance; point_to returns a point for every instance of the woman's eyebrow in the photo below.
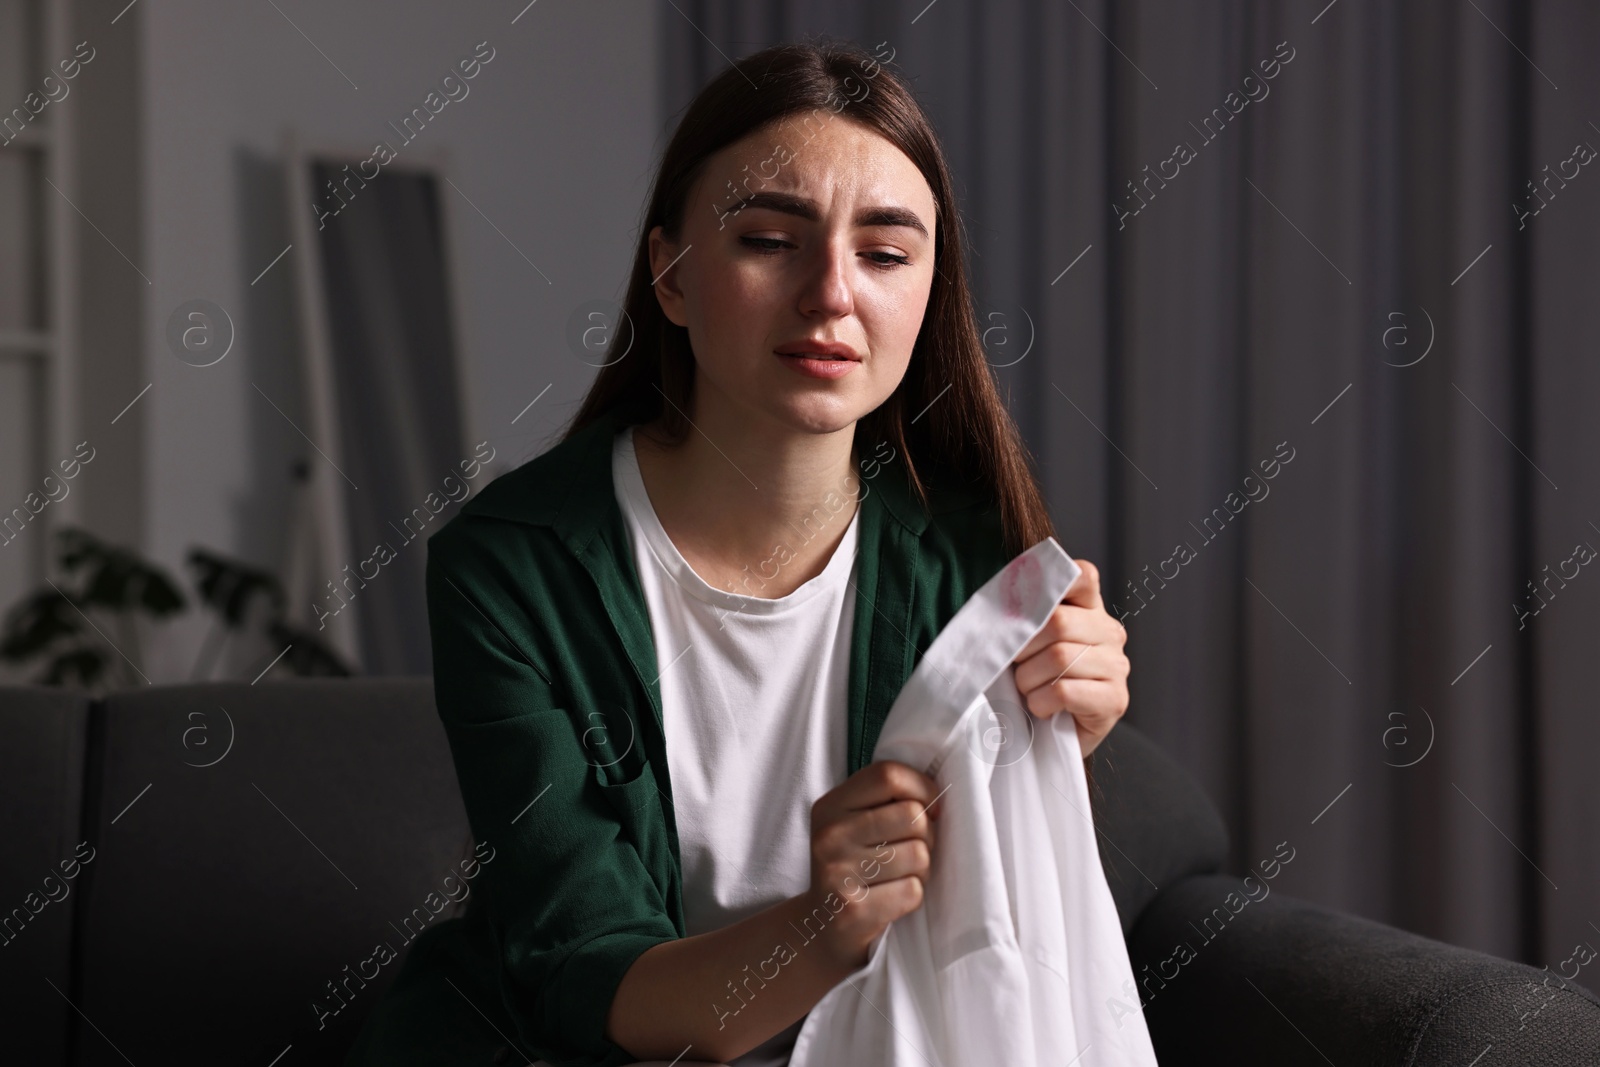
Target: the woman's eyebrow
pixel 789 204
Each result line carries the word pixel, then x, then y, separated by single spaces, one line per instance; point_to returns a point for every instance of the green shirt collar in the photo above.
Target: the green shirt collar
pixel 577 498
pixel 569 489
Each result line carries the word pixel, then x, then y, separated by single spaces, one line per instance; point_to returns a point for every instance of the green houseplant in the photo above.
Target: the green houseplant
pixel 56 624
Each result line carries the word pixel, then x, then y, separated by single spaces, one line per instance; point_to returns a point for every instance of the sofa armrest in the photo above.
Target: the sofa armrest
pixel 1154 823
pixel 1224 978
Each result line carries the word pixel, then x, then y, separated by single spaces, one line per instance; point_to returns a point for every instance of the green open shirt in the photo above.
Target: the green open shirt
pixel 545 678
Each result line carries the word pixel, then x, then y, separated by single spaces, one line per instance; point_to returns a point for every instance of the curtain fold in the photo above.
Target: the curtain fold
pixel 1314 392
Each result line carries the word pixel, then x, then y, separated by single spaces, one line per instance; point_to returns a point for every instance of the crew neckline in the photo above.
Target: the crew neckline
pixel 630 482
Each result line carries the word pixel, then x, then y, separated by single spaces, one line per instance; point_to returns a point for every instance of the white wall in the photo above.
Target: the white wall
pixel 554 143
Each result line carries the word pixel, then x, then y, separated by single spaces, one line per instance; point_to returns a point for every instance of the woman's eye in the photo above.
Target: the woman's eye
pixel 771 245
pixel 762 244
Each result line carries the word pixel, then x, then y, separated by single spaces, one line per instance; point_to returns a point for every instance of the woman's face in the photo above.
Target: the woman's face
pixel 833 242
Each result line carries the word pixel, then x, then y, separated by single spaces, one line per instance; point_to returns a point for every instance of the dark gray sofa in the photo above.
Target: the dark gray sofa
pixel 236 850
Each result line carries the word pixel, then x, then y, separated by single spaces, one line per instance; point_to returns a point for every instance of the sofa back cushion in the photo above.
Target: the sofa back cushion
pixel 42 737
pixel 255 845
pixel 246 850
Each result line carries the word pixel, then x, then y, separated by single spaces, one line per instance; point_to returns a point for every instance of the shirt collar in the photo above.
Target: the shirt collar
pixel 569 488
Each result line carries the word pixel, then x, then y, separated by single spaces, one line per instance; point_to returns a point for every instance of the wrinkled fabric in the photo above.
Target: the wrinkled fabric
pixel 1017 948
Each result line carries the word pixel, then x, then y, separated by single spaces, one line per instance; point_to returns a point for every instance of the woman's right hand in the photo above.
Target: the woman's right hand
pixel 871 846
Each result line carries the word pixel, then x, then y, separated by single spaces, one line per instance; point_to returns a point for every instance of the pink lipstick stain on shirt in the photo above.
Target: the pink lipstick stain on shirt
pixel 1019 586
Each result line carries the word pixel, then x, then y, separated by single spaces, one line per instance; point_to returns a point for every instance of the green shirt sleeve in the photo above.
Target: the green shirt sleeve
pixel 567 895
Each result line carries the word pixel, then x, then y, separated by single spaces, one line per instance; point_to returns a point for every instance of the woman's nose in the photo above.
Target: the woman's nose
pixel 827 286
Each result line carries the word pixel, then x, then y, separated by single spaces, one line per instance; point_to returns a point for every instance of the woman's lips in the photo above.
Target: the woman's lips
pixel 817 347
pixel 814 365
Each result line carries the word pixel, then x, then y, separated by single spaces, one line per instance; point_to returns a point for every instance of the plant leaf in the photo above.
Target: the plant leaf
pixel 226 585
pixel 308 656
pixel 36 623
pixel 88 664
pixel 117 578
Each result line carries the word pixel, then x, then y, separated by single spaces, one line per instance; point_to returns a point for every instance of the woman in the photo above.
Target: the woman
pixel 663 649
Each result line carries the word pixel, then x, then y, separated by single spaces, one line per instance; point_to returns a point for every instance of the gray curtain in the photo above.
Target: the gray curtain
pixel 1341 284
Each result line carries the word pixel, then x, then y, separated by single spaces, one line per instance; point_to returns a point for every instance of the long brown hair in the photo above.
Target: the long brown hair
pixel 965 432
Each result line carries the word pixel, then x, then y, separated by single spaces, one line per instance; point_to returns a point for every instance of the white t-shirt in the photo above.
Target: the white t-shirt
pixel 753 693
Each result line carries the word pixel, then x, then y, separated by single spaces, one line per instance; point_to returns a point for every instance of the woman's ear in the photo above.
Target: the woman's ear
pixel 664 255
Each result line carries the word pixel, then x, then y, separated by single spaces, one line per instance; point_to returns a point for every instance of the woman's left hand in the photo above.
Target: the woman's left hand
pixel 1076 664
